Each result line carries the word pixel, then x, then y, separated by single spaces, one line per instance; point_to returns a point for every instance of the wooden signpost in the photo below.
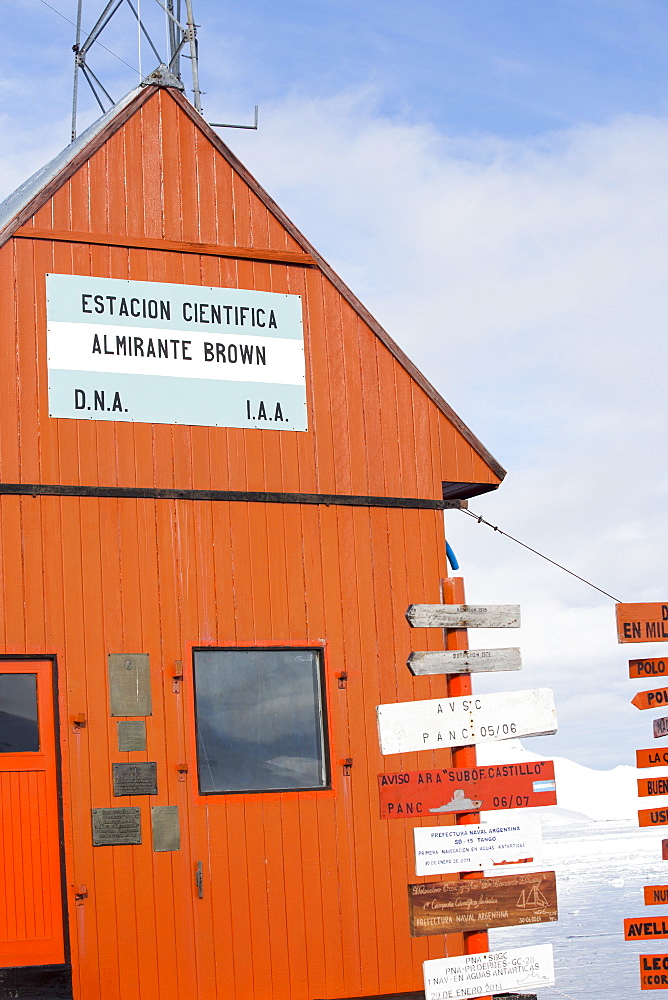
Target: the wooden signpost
pixel 500 901
pixel 493 972
pixel 474 847
pixel 642 622
pixel 655 895
pixel 466 789
pixel 464 661
pixel 652 786
pixel 660 727
pixel 653 972
pixel 650 699
pixel 648 668
pixel 454 722
pixel 639 929
pixel 464 615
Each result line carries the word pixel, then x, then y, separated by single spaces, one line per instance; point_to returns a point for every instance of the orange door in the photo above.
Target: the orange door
pixel 31 906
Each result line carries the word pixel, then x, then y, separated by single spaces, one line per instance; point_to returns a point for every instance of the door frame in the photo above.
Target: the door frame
pixel 53 659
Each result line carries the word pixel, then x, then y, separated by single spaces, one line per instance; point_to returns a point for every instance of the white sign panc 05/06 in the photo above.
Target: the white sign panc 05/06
pixel 452 722
pixel 489 972
pixel 150 352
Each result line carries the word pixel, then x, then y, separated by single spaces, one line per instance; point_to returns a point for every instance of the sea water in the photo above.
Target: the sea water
pixel 601 870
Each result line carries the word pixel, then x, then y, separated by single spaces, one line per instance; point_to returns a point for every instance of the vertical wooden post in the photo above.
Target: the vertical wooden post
pixel 459 685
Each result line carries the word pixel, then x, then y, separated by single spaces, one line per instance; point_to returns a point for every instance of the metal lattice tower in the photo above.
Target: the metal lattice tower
pixel 181 33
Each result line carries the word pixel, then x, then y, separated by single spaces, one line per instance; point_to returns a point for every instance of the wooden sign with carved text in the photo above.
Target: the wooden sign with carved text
pixel 642 622
pixel 475 905
pixel 464 661
pixel 660 727
pixel 451 791
pixel 464 616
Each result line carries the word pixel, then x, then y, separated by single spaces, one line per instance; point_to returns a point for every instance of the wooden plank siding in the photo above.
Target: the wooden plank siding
pixel 304 893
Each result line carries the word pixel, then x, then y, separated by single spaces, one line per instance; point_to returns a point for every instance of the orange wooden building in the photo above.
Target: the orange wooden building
pixel 221 486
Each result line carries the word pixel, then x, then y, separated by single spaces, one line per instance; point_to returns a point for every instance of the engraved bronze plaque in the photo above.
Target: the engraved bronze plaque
pixel 135 779
pixel 116 826
pixel 475 905
pixel 131 736
pixel 129 684
pixel 166 831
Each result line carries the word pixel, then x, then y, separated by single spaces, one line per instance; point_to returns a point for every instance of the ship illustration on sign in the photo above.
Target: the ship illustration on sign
pixel 458 803
pixel 532 900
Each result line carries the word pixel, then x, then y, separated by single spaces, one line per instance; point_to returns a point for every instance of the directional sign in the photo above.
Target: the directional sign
pixel 464 616
pixel 455 722
pixel 648 668
pixel 476 904
pixel 652 757
pixel 491 972
pixel 652 786
pixel 458 790
pixel 655 894
pixel 464 661
pixel 653 817
pixel 664 850
pixel 651 699
pixel 653 972
pixel 642 622
pixel 472 847
pixel 641 929
pixel 660 727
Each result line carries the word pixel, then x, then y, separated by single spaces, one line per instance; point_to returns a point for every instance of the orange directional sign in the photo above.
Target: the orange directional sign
pixel 653 972
pixel 652 786
pixel 651 699
pixel 653 817
pixel 653 757
pixel 640 929
pixel 648 668
pixel 655 894
pixel 642 622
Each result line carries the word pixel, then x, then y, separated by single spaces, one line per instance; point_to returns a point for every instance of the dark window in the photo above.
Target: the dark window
pixel 260 720
pixel 18 713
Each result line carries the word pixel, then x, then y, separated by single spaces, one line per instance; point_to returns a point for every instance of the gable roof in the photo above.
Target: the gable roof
pixel 20 206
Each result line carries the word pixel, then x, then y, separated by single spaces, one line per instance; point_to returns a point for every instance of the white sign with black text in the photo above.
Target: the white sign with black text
pixel 476 847
pixel 488 973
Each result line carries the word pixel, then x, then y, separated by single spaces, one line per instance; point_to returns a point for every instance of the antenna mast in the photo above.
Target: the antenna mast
pixel 179 34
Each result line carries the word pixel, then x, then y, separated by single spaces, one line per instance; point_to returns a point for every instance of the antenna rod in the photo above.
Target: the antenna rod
pixel 75 86
pixel 192 38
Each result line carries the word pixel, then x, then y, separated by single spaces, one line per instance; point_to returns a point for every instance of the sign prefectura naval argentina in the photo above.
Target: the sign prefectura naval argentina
pixel 150 352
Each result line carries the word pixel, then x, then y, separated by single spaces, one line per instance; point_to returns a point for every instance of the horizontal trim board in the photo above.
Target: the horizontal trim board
pixel 230 496
pixel 48 982
pixel 174 246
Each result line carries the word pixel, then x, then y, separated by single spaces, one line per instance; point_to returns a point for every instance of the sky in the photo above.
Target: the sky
pixel 489 177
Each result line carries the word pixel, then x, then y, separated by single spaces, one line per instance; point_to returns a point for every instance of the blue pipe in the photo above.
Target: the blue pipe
pixel 452 558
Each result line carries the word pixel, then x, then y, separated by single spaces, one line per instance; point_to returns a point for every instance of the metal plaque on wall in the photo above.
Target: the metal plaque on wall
pixel 135 779
pixel 129 684
pixel 165 825
pixel 116 826
pixel 131 736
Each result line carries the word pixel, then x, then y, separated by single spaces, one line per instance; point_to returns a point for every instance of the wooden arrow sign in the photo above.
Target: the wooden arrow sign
pixel 653 972
pixel 639 929
pixel 464 661
pixel 652 786
pixel 464 615
pixel 650 699
pixel 500 901
pixel 652 757
pixel 655 895
pixel 648 668
pixel 642 622
pixel 458 722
